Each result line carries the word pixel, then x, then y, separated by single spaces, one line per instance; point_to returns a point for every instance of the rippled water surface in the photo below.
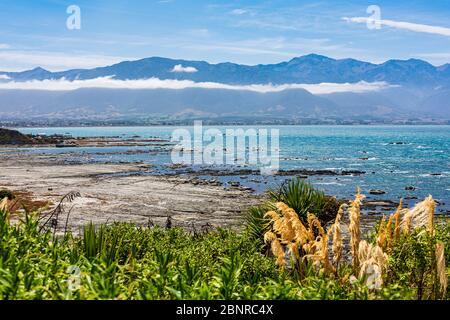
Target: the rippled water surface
pixel 392 157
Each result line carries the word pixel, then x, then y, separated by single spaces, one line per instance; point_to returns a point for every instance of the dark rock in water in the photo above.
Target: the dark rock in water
pixel 397 142
pixel 176 166
pixel 377 191
pixel 66 144
pixel 243 188
pixel 304 173
pixel 234 183
pixel 435 174
pixel 364 158
pixel 380 203
pixel 352 172
pixel 214 182
pixel 410 188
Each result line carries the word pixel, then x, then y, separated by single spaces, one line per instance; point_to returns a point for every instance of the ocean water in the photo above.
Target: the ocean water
pixel 392 157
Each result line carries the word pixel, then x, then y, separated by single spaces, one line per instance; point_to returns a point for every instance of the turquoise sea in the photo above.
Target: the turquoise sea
pixel 392 157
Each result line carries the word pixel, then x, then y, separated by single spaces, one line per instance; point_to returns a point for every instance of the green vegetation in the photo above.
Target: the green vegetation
pixel 13 137
pixel 301 196
pixel 5 193
pixel 124 261
pixel 298 195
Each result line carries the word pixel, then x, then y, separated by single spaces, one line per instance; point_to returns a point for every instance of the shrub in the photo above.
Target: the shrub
pixel 124 261
pixel 413 262
pixel 407 252
pixel 304 198
pixel 6 194
pixel 255 222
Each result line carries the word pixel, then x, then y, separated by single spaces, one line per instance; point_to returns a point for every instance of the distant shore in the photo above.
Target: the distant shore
pixel 75 124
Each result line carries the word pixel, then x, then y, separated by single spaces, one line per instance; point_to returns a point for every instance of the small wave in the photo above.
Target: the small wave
pixel 428 175
pixel 294 159
pixel 330 183
pixel 423 147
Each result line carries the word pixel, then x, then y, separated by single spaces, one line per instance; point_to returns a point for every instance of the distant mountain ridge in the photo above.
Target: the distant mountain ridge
pixel 307 69
pixel 416 90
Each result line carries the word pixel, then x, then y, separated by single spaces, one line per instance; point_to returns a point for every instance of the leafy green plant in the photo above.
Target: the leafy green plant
pixel 304 198
pixel 124 261
pixel 255 222
pixel 6 194
pixel 412 262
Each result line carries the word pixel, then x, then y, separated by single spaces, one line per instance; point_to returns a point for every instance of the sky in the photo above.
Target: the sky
pixel 35 33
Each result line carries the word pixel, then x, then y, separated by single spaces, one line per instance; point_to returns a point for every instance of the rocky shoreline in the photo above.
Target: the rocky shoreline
pixel 118 192
pixel 143 193
pixel 108 194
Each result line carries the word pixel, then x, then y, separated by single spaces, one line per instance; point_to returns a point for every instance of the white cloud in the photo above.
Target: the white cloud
pixel 4 46
pixel 239 11
pixel 403 25
pixel 155 83
pixel 4 77
pixel 13 60
pixel 180 68
pixel 435 55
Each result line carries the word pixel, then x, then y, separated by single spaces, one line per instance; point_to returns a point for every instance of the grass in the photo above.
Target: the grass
pixel 124 261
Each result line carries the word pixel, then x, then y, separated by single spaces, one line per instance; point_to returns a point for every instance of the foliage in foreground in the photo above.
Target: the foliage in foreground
pixel 303 198
pixel 123 261
pixel 297 194
pixel 408 250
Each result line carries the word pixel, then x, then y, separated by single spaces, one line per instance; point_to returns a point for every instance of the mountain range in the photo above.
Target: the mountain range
pixel 412 89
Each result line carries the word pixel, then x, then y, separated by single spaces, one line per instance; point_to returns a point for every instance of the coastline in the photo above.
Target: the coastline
pixel 144 191
pixel 112 192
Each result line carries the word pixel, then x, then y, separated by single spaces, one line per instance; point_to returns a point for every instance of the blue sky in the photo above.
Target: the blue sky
pixel 34 33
